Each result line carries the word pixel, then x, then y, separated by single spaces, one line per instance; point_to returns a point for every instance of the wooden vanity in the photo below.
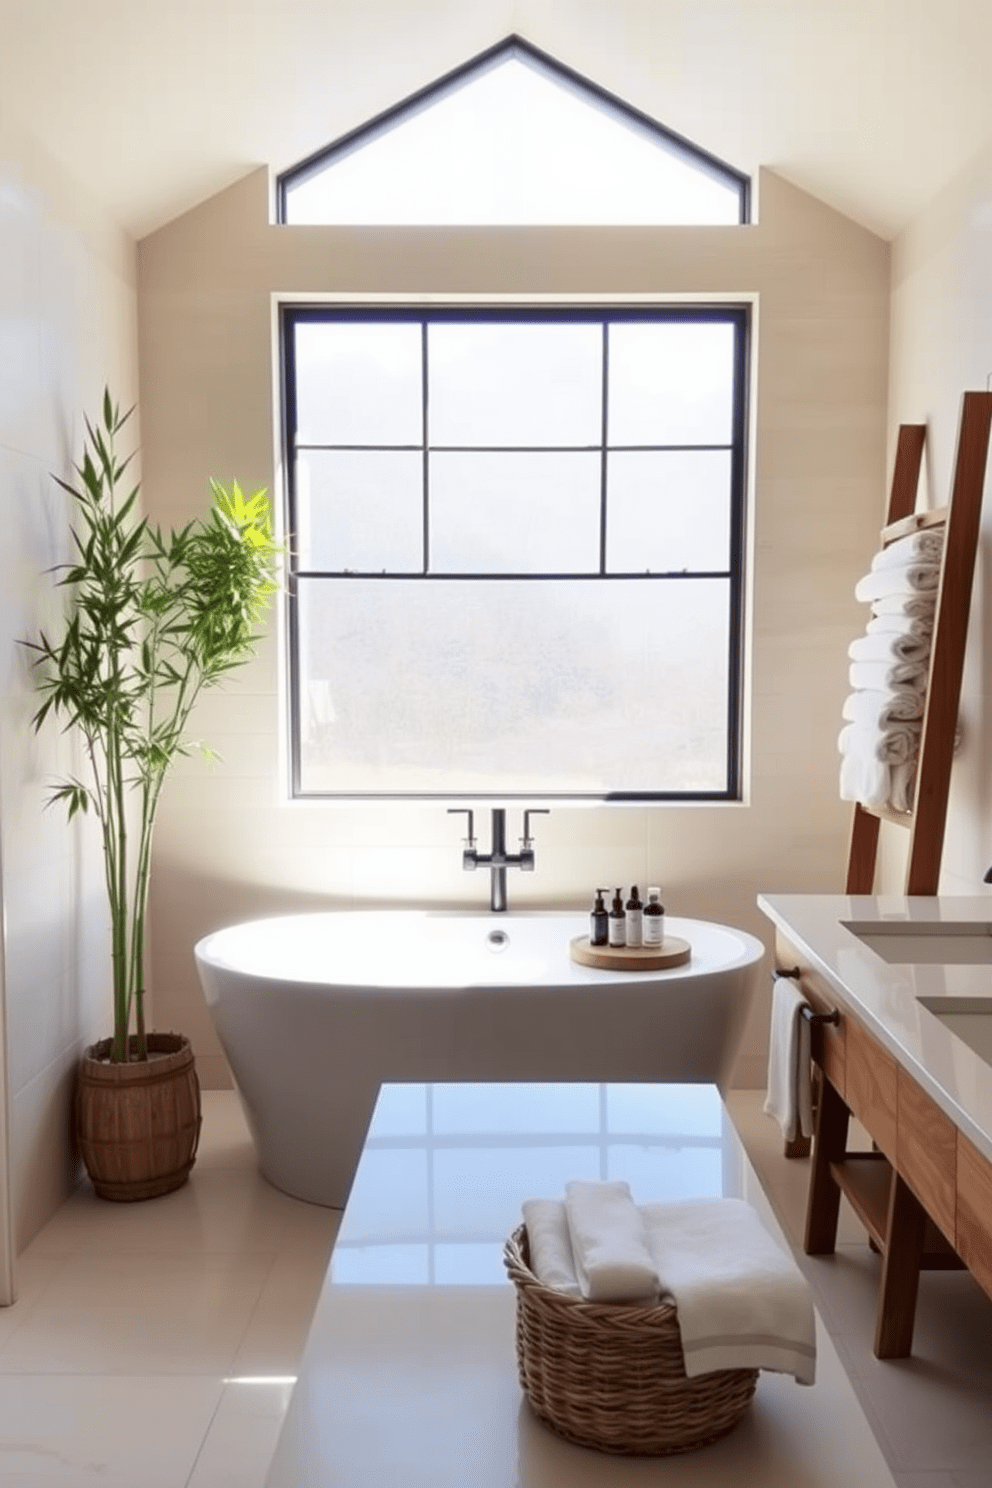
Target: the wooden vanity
pixel 924 1194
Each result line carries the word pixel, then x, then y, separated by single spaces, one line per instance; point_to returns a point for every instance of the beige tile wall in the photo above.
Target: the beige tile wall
pixel 942 346
pixel 67 327
pixel 230 847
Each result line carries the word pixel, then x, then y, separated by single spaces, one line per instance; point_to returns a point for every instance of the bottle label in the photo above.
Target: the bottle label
pixel 654 929
pixel 634 922
pixel 617 931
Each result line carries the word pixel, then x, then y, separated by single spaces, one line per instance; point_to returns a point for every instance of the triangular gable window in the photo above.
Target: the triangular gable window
pixel 513 138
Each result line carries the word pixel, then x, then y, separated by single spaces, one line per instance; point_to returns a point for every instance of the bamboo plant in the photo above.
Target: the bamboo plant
pixel 151 620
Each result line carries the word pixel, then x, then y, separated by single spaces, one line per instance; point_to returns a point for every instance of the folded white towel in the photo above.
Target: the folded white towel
pixel 919 547
pixel 898 623
pixel 609 1243
pixel 918 606
pixel 879 708
pixel 893 745
pixel 878 676
pixel 914 578
pixel 865 779
pixel 893 646
pixel 550 1245
pixel 789 1097
pixel 742 1302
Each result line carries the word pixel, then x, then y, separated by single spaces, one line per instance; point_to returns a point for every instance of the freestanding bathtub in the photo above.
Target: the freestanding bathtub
pixel 315 1011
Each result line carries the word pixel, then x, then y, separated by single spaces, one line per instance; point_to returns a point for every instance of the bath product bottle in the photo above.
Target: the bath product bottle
pixel 654 919
pixel 599 921
pixel 635 909
pixel 617 933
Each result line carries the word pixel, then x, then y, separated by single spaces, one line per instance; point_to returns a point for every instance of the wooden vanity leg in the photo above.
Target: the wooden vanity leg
pixel 900 1273
pixel 829 1145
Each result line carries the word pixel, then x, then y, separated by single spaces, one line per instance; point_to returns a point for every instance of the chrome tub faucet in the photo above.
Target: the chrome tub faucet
pixel 497 860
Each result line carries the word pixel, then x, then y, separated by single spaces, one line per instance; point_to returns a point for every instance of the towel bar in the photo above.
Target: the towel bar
pixel 832 1017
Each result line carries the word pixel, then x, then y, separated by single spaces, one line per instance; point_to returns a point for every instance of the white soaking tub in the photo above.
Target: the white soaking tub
pixel 315 1011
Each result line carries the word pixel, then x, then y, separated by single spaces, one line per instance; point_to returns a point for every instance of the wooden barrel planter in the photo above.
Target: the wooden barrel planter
pixel 138 1124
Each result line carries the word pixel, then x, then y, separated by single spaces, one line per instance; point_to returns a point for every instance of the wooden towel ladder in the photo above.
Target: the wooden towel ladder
pixel 961 520
pixel 897 1224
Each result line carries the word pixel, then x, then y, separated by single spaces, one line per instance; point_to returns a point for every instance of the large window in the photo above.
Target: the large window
pixel 517 551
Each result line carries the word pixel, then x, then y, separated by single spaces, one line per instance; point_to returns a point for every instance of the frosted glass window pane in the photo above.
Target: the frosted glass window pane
pixel 358 383
pixel 512 145
pixel 513 686
pixel 514 513
pixel 671 383
pixel 668 511
pixel 360 510
pixel 513 385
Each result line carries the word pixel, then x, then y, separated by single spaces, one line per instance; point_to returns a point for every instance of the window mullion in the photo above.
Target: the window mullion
pixel 602 469
pixel 425 394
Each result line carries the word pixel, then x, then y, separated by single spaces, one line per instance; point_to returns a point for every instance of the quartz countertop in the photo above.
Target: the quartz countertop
pixel 885 996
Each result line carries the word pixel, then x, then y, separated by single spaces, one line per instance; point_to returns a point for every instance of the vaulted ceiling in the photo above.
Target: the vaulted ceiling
pixel 873 105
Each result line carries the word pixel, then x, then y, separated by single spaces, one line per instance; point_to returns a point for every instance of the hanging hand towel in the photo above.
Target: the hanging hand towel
pixel 893 647
pixel 789 1098
pixel 919 547
pixel 879 708
pixel 915 578
pixel 742 1302
pixel 877 676
pixel 609 1243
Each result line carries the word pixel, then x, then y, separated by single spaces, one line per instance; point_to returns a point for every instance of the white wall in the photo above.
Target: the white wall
pixel 67 327
pixel 230 847
pixel 942 346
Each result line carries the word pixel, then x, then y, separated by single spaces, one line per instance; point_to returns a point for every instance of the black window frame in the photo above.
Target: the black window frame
pixel 739 316
pixel 532 56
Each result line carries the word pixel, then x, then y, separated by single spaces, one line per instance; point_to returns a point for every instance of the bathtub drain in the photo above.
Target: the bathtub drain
pixel 498 940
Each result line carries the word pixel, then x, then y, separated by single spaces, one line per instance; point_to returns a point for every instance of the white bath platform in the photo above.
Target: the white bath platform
pixel 408 1378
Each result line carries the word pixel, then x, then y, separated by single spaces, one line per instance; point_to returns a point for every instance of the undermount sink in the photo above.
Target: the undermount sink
pixel 968 943
pixel 968 1018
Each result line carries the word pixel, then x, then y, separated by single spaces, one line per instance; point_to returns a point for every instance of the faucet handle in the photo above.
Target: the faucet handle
pixel 525 840
pixel 526 843
pixel 469 860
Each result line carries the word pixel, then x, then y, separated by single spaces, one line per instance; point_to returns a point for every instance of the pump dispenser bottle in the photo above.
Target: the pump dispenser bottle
pixel 633 917
pixel 654 919
pixel 599 921
pixel 617 933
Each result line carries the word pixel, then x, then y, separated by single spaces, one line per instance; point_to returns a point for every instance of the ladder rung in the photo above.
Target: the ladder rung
pixel 916 522
pixel 886 813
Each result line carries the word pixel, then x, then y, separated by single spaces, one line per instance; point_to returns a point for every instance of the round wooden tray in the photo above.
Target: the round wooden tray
pixel 673 951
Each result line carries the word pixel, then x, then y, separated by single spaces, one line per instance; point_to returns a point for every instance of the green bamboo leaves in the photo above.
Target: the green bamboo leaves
pixel 152 618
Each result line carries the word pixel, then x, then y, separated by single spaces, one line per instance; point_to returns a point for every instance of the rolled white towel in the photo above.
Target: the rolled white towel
pixel 919 606
pixel 609 1243
pixel 893 745
pixel 865 779
pixel 880 676
pixel 878 708
pixel 550 1245
pixel 893 646
pixel 900 624
pixel 742 1301
pixel 919 547
pixel 902 786
pixel 912 579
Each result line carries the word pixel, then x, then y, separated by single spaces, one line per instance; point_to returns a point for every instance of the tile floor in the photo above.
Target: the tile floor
pixel 227 1273
pixel 932 1413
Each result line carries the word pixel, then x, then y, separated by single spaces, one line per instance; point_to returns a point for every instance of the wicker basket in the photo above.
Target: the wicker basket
pixel 612 1377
